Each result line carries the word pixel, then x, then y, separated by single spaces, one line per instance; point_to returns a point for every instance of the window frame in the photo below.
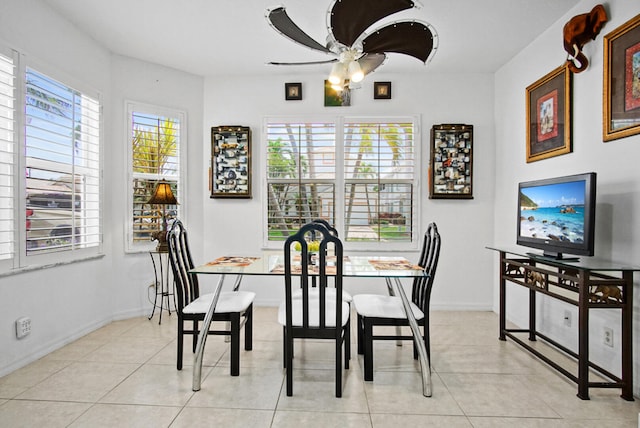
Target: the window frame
pixel 13 250
pixel 146 108
pixel 340 182
pixel 21 261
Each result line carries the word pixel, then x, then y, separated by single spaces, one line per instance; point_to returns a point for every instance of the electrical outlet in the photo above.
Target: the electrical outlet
pixel 607 338
pixel 23 327
pixel 567 318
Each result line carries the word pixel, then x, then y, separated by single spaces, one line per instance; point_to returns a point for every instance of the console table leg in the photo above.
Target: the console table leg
pixel 532 315
pixel 583 337
pixel 627 337
pixel 503 296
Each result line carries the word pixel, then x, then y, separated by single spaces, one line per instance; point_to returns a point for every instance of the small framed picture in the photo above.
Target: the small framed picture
pixel 381 90
pixel 549 115
pixel 293 91
pixel 622 81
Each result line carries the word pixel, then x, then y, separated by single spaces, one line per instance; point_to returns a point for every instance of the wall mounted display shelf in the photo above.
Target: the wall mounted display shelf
pixel 451 162
pixel 230 162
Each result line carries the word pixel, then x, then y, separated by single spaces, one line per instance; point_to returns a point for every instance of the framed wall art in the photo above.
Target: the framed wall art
pixel 549 115
pixel 381 90
pixel 336 98
pixel 292 91
pixel 621 88
pixel 230 162
pixel 451 168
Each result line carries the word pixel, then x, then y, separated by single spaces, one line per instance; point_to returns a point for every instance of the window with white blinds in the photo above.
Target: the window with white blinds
pixel 7 156
pixel 156 139
pixel 62 166
pixel 379 174
pixel 359 175
pixel 301 172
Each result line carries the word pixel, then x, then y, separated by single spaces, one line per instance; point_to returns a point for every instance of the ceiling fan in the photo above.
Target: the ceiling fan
pixel 357 52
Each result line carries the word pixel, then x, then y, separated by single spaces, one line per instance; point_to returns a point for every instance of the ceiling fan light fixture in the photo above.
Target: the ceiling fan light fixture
pixel 337 73
pixel 355 72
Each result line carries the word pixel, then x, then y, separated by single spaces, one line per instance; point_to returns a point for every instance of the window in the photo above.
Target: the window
pixel 62 166
pixel 50 168
pixel 358 174
pixel 7 154
pixel 155 137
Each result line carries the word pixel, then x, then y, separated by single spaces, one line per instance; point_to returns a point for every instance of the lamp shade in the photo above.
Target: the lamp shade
pixel 162 195
pixel 337 73
pixel 355 72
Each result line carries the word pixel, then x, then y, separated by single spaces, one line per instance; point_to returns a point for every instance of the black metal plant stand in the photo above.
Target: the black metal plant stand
pixel 162 284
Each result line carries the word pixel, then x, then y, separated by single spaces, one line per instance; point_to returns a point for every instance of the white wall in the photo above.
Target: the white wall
pixel 617 232
pixel 67 301
pixel 141 82
pixel 464 278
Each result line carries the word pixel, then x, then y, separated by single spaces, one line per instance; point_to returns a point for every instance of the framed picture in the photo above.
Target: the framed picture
pixel 549 115
pixel 621 104
pixel 230 162
pixel 292 91
pixel 451 167
pixel 381 90
pixel 336 98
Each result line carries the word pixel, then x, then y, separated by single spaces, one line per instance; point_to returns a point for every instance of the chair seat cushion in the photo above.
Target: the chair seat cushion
pixel 314 312
pixel 381 306
pixel 314 293
pixel 229 301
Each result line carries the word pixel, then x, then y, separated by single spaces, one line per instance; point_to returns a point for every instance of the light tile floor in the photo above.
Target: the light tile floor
pixel 124 375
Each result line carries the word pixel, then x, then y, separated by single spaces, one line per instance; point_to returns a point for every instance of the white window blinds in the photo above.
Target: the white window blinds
pixel 155 155
pixel 379 174
pixel 358 175
pixel 7 156
pixel 301 172
pixel 62 160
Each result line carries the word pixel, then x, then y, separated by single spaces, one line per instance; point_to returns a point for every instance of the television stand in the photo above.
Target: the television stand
pixel 587 284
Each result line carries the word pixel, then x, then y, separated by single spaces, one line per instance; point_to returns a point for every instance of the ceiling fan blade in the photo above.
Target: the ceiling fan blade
pixel 280 21
pixel 407 37
pixel 328 61
pixel 348 19
pixel 369 62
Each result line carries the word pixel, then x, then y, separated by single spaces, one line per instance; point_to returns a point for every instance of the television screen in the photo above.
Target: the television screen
pixel 557 215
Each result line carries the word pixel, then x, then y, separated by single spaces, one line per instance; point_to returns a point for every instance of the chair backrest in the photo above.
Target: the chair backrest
pixel 326 224
pixel 421 292
pixel 187 287
pixel 324 269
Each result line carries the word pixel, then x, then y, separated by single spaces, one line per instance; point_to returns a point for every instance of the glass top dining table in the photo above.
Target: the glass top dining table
pixel 271 263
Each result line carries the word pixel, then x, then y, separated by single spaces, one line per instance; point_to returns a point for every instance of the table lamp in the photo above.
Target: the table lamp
pixel 162 195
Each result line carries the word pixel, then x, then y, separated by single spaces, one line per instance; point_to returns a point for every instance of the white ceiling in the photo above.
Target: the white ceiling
pixel 220 37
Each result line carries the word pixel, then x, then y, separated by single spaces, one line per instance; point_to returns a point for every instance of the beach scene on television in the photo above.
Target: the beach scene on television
pixel 554 212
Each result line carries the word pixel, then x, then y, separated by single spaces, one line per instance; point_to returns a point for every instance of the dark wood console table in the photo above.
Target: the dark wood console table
pixel 592 284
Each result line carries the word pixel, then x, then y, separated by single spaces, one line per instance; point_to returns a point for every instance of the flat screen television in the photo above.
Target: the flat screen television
pixel 557 215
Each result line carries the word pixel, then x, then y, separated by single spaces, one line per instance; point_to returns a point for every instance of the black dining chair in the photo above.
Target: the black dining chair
pixel 234 307
pixel 381 310
pixel 332 230
pixel 314 315
pixel 326 224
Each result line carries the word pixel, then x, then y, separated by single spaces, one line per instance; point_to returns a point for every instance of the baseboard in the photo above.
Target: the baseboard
pixel 50 347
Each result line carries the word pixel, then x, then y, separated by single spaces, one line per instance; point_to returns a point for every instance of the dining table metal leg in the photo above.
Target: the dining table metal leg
pixel 425 367
pixel 393 293
pixel 202 337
